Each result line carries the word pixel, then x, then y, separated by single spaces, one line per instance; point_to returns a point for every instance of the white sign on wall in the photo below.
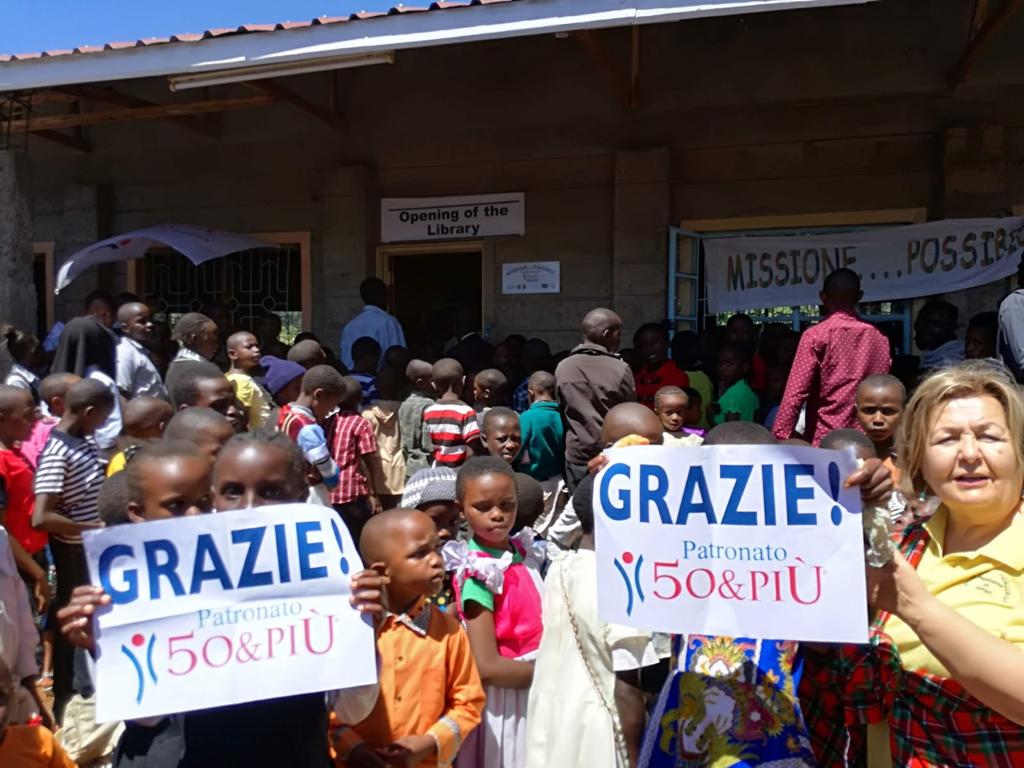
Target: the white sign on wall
pixel 893 263
pixel 531 277
pixel 452 218
pixel 738 541
pixel 221 609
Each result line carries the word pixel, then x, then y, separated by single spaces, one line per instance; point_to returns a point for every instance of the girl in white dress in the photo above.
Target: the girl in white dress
pixel 498 588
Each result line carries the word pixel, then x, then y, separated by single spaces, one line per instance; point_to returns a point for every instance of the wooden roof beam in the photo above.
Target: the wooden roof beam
pixel 158 112
pixel 623 87
pixel 111 96
pixel 977 43
pixel 279 92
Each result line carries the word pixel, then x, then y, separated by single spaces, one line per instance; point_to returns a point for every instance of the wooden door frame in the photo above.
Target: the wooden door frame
pixel 383 268
pixel 46 250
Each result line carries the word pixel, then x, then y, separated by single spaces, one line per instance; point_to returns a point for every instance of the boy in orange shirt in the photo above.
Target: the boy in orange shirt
pixel 430 692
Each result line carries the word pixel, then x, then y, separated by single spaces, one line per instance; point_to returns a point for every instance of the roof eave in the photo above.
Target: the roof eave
pixel 385 33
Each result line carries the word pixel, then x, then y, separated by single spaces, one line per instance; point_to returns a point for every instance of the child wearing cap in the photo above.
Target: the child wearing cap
pixel 283 379
pixel 432 491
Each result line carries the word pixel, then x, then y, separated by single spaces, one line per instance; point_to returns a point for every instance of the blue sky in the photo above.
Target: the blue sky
pixel 36 25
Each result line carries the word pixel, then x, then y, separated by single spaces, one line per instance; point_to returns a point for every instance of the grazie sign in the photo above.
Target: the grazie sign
pixel 893 263
pixel 738 541
pixel 226 608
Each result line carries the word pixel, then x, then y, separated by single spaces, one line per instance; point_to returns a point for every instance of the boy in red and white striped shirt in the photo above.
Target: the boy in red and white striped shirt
pixel 451 423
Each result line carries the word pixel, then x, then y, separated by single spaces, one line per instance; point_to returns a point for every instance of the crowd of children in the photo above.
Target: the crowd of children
pixel 457 484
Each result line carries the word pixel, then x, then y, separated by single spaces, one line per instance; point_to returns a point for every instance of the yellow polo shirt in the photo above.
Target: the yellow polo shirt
pixel 251 395
pixel 986 587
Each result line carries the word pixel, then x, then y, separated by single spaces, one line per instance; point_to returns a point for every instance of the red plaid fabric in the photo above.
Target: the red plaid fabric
pixel 351 438
pixel 933 721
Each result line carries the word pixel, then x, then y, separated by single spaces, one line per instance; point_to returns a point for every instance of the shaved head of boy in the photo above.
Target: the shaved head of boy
pixel 307 354
pixel 204 428
pixel 243 350
pixel 54 389
pixel 627 419
pixel 603 327
pixel 448 375
pixel 490 388
pixel 880 403
pixel 90 402
pixel 502 434
pixel 146 418
pixel 841 439
pixel 541 386
pixel 420 374
pixel 740 433
pixel 18 415
pixel 406 542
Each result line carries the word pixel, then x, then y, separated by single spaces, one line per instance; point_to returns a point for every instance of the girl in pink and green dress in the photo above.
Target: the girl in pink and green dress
pixel 498 586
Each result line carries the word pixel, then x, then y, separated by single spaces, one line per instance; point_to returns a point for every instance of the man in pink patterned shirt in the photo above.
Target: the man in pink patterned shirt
pixel 833 358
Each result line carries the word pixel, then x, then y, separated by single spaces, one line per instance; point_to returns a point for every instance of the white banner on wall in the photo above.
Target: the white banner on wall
pixel 452 218
pixel 738 541
pixel 893 263
pixel 220 609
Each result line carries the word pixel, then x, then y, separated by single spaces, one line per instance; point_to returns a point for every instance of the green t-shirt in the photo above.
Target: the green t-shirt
pixel 738 398
pixel 475 590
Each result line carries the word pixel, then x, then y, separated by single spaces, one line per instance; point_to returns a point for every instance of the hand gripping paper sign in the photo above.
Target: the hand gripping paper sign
pixel 741 541
pixel 225 608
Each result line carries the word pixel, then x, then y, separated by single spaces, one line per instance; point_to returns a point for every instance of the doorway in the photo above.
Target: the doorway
pixel 429 287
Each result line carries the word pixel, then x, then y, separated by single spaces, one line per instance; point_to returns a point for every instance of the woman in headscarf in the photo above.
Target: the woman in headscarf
pixel 87 348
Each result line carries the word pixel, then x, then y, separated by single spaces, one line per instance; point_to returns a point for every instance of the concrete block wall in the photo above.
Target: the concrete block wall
pixel 640 246
pixel 17 293
pixel 339 250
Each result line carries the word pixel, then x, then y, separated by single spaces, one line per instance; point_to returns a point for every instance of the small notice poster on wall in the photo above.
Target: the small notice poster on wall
pixel 531 277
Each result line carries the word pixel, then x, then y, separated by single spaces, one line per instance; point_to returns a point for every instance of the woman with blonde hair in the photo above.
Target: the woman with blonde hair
pixel 942 680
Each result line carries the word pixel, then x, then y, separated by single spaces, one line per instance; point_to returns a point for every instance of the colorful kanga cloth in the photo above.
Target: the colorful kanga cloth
pixel 933 720
pixel 730 702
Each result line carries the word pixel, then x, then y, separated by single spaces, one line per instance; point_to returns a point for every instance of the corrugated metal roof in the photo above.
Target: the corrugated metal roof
pixel 247 29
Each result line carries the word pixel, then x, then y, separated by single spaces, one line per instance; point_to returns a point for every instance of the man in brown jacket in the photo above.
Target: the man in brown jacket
pixel 591 381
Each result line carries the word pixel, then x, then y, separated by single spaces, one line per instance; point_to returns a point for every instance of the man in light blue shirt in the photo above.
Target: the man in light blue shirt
pixel 373 321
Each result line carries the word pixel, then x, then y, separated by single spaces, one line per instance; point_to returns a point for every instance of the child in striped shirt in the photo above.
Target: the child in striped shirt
pixel 452 424
pixel 67 482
